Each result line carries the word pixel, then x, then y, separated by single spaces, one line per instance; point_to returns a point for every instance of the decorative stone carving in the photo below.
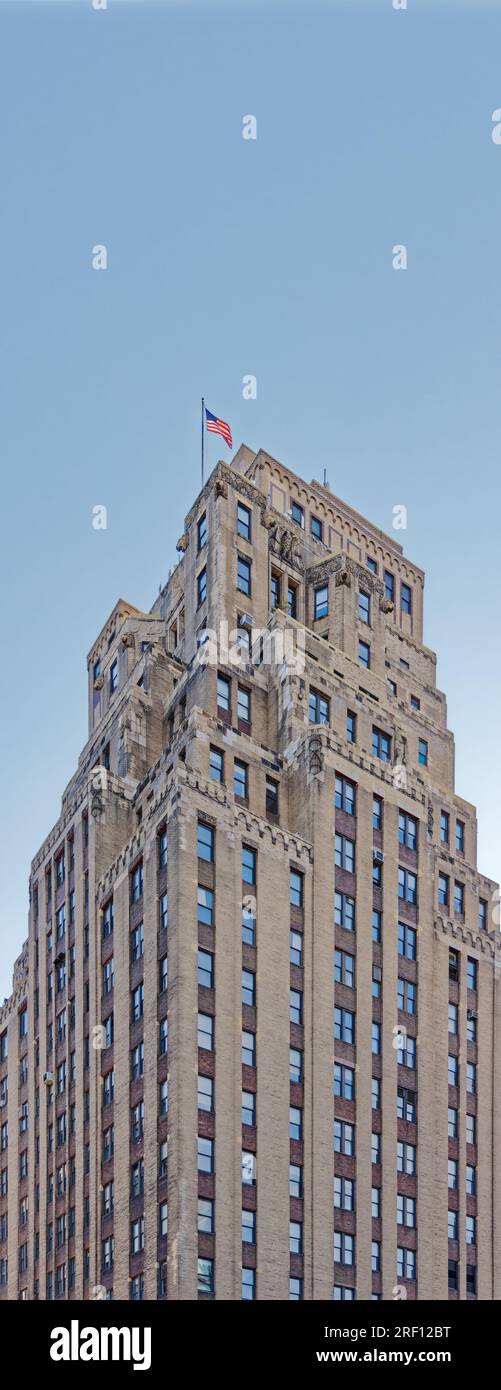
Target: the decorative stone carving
pixel 430 818
pixel 283 543
pixel 98 683
pixel 315 756
pixel 386 605
pixel 128 639
pixel 343 577
pixel 221 489
pixel 401 748
pixel 182 543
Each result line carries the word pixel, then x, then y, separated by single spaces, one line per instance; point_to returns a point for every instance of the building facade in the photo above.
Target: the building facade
pixel 254 1042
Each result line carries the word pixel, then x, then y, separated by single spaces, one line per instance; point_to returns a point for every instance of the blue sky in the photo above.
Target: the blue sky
pixel 228 257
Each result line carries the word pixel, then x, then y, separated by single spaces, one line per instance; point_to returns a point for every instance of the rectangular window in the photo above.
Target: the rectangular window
pixel 240 780
pixel 295 1066
pixel 406 1104
pixel 344 1194
pixel 406 598
pixel 344 1081
pixel 407 886
pixel 295 1122
pixel 206 1215
pixel 344 853
pixel 407 830
pixel 344 1025
pixel 205 900
pixel 137 942
pixel 201 587
pixel 205 1094
pixel 316 528
pixel 482 914
pixel 444 827
pixel 271 797
pixel 205 1032
pixel 248 865
pixel 344 969
pixel 113 675
pixel 344 911
pixel 243 576
pixel 344 1138
pixel 275 591
pixel 345 796
pixel 344 1248
pixel 471 973
pixel 295 1180
pixel 296 888
pixel 296 1006
pixel 443 890
pixel 136 882
pixel 202 532
pixel 364 607
pixel 248 1049
pixel 389 585
pixel 224 694
pixel 296 948
pixel 243 521
pixel 377 813
pixel 248 987
pixel 321 602
pixel 406 996
pixel 381 744
pixel 216 765
pixel 297 514
pixel 406 1158
pixel 243 704
pixel 423 752
pixel 460 837
pixel 351 727
pixel 364 654
pixel 319 708
pixel 459 899
pixel 206 969
pixel 205 842
pixel 248 1108
pixel 376 925
pixel 205 1151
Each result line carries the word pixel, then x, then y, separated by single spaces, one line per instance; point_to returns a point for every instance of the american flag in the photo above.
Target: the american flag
pixel 217 426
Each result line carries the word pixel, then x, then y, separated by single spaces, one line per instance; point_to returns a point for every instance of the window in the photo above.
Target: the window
pixel 406 1051
pixel 136 1179
pixel 344 1194
pixel 389 585
pixel 460 837
pixel 319 708
pixel 240 780
pixel 107 919
pixel 364 607
pixel 471 1279
pixel 376 1039
pixel 295 1180
pixel 205 1276
pixel 243 575
pixel 321 602
pixel 344 1025
pixel 113 675
pixel 275 591
pixel 223 694
pixel 407 830
pixel 316 528
pixel 295 1122
pixel 406 1158
pixel 205 842
pixel 444 827
pixel 202 532
pixel 216 765
pixel 482 914
pixel 351 727
pixel 406 1263
pixel 376 1148
pixel 248 1108
pixel 377 976
pixel 376 1250
pixel 452 1225
pixel 453 1018
pixel 407 886
pixel 381 745
pixel 345 796
pixel 248 1168
pixel 406 996
pixel 471 973
pixel 471 1180
pixel 107 1253
pixel 406 1211
pixel 243 704
pixel 453 1070
pixel 205 1151
pixel 297 514
pixel 163 975
pixel 376 1093
pixel 377 874
pixel 452 1173
pixel 137 1062
pixel 248 987
pixel 344 911
pixel 296 1237
pixel 137 942
pixel 296 1006
pixel 344 1081
pixel 163 1098
pixel 205 1032
pixel 406 598
pixel 452 1275
pixel 423 752
pixel 295 1065
pixel 471 1230
pixel 344 1248
pixel 377 813
pixel 162 1159
pixel 163 1037
pixel 471 1078
pixel 137 1003
pixel 205 899
pixel 344 1138
pixel 406 1104
pixel 443 890
pixel 364 654
pixel 248 865
pixel 108 1087
pixel 248 921
pixel 376 924
pixel 248 1049
pixel 471 1026
pixel 344 968
pixel 415 703
pixel 459 899
pixel 291 600
pixel 243 521
pixel 136 882
pixel 296 888
pixel 248 1283
pixel 344 853
pixel 471 1129
pixel 343 1294
pixel 206 1215
pixel 393 686
pixel 201 587
pixel 271 797
pixel 163 912
pixel 296 948
pixel 407 938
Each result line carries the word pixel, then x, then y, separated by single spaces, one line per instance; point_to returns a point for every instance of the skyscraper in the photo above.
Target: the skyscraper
pixel 253 1045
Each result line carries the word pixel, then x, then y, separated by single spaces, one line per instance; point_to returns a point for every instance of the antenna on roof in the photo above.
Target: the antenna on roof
pixel 326 484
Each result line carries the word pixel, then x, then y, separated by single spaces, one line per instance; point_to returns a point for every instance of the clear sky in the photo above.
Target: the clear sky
pixel 229 257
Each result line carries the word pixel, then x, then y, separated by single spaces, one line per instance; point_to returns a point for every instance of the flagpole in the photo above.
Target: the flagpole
pixel 203 406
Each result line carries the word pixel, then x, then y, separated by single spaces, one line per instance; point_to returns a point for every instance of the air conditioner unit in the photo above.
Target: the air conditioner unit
pixel 378 856
pixel 471 1013
pixel 245 619
pixel 48 1078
